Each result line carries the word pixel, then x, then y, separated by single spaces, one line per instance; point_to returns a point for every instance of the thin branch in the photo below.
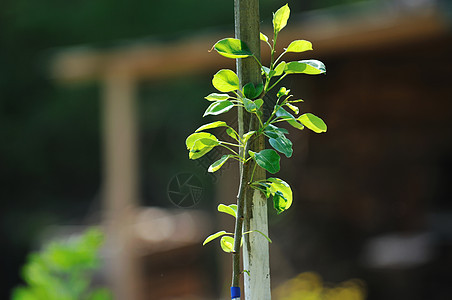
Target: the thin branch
pixel 279 57
pixel 239 223
pixel 229 149
pixel 285 74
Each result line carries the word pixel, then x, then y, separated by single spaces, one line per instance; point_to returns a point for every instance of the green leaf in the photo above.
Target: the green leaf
pixel 272 131
pixel 295 109
pixel 192 138
pixel 225 81
pixel 215 124
pixel 313 122
pixel 252 92
pixel 267 159
pixel 252 106
pixel 266 188
pixel 297 100
pixel 299 46
pixel 233 134
pixel 259 88
pixel 274 128
pixel 201 147
pixel 282 92
pixel 249 105
pixel 279 69
pixel 214 236
pixel 247 136
pixel 200 143
pixel 310 66
pixel 280 18
pixel 265 70
pixel 282 144
pixel 279 202
pixel 263 37
pixel 282 194
pixel 227 244
pixel 259 103
pixel 219 107
pixel 207 142
pixel 228 209
pixel 285 115
pixel 218 164
pixel 232 48
pixel 217 97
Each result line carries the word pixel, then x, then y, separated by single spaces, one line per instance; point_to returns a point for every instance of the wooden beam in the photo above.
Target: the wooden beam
pixel 330 36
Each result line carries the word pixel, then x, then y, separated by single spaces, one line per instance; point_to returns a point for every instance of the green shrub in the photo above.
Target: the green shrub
pixel 63 270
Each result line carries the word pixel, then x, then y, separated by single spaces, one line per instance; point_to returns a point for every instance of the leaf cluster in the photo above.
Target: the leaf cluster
pixel 250 98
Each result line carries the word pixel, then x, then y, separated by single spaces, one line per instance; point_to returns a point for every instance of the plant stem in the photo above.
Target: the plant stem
pixel 230 144
pixel 252 174
pixel 239 224
pixel 221 144
pixel 276 82
pixel 279 57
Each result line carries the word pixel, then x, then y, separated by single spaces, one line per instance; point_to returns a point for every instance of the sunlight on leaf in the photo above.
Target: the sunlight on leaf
pixel 192 138
pixel 232 48
pixel 217 97
pixel 218 164
pixel 214 236
pixel 279 69
pixel 299 46
pixel 215 124
pixel 227 244
pixel 219 107
pixel 228 209
pixel 313 122
pixel 283 193
pixel 310 66
pixel 280 18
pixel 200 143
pixel 247 136
pixel 295 109
pixel 225 81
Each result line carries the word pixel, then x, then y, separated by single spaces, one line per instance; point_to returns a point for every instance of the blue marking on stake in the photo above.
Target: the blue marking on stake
pixel 235 293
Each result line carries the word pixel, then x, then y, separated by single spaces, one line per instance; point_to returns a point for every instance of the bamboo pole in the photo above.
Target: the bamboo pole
pixel 255 247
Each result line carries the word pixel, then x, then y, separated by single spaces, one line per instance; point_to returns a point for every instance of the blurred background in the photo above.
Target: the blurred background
pixel 97 98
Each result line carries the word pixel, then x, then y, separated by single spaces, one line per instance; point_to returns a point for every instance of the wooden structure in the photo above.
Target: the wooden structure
pixel 119 69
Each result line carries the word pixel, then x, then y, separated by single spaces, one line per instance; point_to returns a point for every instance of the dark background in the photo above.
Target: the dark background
pixel 383 167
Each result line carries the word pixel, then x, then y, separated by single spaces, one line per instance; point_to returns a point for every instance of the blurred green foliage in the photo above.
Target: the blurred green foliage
pixel 63 270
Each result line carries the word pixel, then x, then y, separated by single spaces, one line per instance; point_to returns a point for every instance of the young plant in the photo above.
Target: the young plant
pixel 250 97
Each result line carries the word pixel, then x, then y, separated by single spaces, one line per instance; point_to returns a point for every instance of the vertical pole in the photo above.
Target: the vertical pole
pixel 255 247
pixel 120 181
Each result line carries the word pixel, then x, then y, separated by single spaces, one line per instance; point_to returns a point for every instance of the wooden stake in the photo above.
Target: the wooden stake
pixel 255 247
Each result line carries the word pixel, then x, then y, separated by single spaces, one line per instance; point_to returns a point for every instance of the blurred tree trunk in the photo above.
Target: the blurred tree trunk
pixel 120 182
